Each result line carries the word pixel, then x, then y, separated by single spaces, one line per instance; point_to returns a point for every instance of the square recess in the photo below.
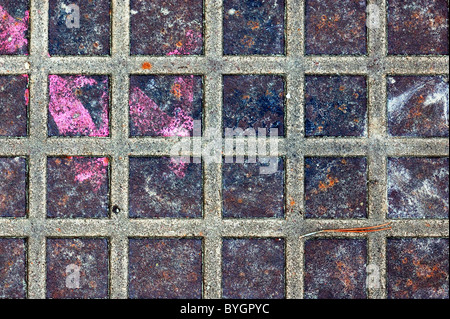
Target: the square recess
pixel 253 27
pixel 247 193
pixel 166 27
pixel 165 105
pixel 253 268
pixel 13 187
pixel 418 106
pixel 79 27
pixel 335 269
pixel 77 268
pixel 168 268
pixel 417 27
pixel 77 187
pixel 418 187
pixel 14 27
pixel 335 27
pixel 335 105
pixel 161 187
pixel 13 265
pixel 78 105
pixel 335 187
pixel 253 102
pixel 14 95
pixel 417 268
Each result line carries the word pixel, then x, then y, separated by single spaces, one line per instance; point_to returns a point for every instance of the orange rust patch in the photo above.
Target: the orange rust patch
pixel 176 90
pixel 253 25
pixel 146 65
pixel 165 275
pixel 421 99
pixel 343 108
pixel 192 276
pixel 331 182
pixel 247 41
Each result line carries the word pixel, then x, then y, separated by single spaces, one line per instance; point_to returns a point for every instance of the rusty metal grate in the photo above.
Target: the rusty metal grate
pixel 376 147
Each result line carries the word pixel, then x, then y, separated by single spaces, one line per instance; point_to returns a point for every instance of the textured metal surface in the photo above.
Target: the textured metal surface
pixel 165 268
pixel 418 27
pixel 418 187
pixel 253 27
pixel 166 27
pixel 14 97
pixel 13 187
pixel 253 268
pixel 14 27
pixel 92 258
pixel 335 106
pixel 335 27
pixel 370 53
pixel 249 194
pixel 165 105
pixel 160 188
pixel 335 269
pixel 253 101
pixel 13 268
pixel 336 187
pixel 78 105
pixel 417 106
pixel 418 268
pixel 93 35
pixel 77 187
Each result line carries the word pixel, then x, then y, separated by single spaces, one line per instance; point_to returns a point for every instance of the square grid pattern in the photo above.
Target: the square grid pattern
pixel 216 233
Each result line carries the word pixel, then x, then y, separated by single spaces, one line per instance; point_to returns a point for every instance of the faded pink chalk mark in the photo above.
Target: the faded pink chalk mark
pixel 69 114
pixel 150 119
pixel 12 32
pixel 193 40
pixel 91 170
pixel 179 166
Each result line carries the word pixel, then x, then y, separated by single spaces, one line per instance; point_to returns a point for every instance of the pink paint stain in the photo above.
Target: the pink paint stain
pixel 69 114
pixel 12 32
pixel 92 170
pixel 193 41
pixel 179 166
pixel 150 119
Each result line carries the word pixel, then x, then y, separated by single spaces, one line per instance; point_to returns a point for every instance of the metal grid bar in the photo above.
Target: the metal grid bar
pixel 377 146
